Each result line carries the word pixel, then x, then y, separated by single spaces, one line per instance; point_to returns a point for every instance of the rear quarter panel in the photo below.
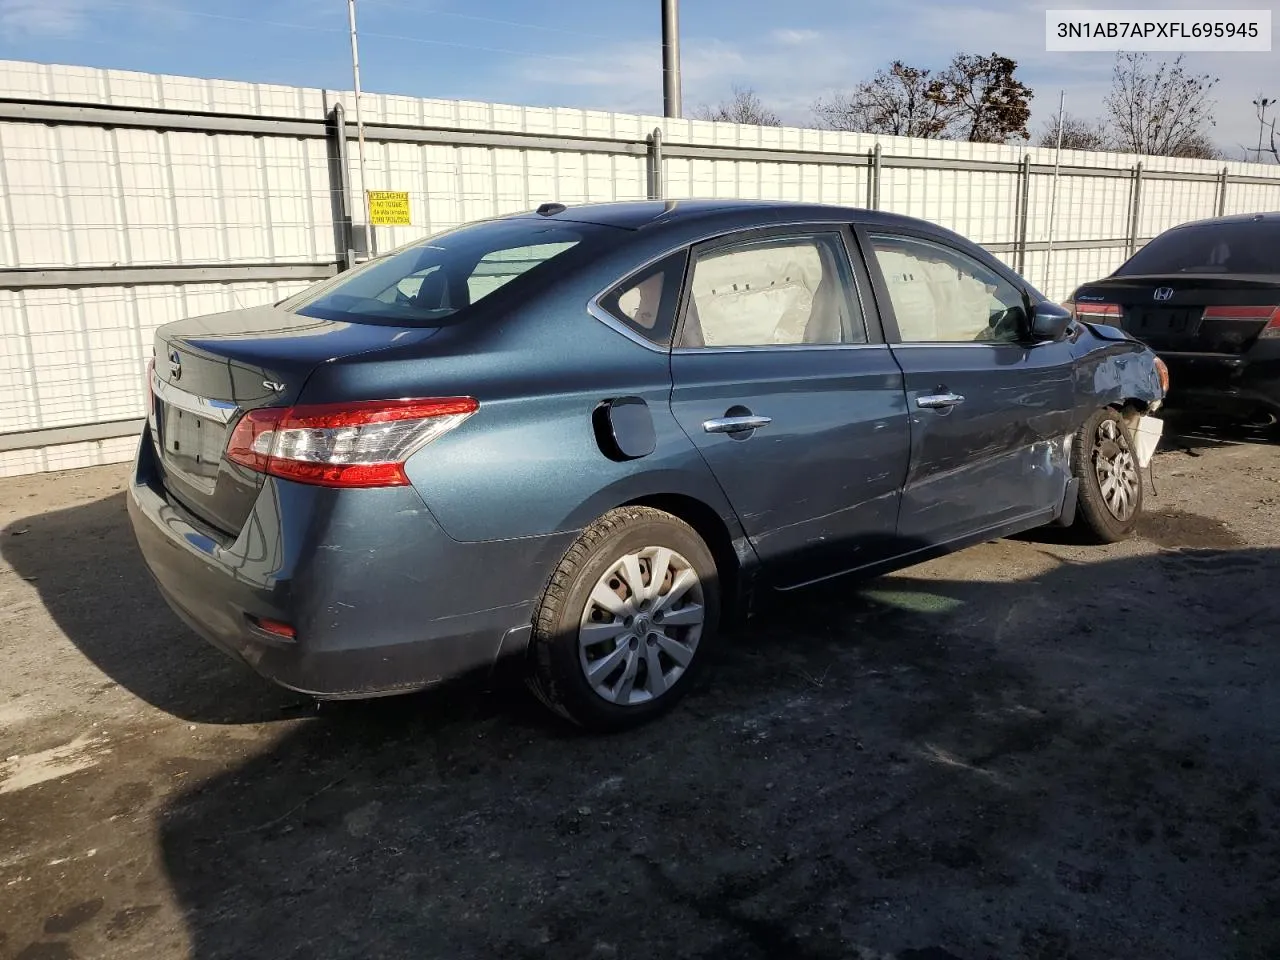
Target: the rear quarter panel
pixel 528 463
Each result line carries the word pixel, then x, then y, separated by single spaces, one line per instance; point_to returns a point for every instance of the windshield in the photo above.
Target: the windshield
pixel 1251 246
pixel 428 282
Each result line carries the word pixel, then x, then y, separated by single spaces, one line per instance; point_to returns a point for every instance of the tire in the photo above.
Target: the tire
pixel 561 654
pixel 1107 512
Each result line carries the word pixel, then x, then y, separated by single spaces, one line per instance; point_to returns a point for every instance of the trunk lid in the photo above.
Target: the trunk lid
pixel 209 370
pixel 1167 312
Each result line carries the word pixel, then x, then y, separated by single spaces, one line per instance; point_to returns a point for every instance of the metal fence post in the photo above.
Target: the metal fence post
pixel 1135 208
pixel 1222 192
pixel 1024 206
pixel 873 178
pixel 340 187
pixel 654 158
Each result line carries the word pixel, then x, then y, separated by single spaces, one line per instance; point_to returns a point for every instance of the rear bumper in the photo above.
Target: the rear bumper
pixel 1226 383
pixel 382 600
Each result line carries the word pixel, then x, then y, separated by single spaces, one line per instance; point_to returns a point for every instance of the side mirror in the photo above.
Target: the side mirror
pixel 1049 321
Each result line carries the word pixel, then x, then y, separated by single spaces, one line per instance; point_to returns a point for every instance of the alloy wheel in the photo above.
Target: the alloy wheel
pixel 1116 470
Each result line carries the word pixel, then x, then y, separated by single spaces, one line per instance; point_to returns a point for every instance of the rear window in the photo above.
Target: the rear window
pixel 434 281
pixel 1246 247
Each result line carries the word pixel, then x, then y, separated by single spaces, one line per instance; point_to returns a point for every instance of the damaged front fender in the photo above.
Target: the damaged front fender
pixel 1118 371
pixel 1115 370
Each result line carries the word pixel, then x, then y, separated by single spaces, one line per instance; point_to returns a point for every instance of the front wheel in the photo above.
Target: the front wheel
pixel 1103 460
pixel 627 621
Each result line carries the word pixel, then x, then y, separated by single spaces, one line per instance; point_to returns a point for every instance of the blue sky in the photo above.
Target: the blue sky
pixel 601 54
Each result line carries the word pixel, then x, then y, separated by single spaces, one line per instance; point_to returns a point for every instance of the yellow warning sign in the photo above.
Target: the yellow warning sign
pixel 389 208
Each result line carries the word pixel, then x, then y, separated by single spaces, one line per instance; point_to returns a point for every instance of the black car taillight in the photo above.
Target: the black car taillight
pixel 1109 313
pixel 1270 314
pixel 360 444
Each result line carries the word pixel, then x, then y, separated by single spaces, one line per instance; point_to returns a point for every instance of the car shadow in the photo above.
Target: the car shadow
pixel 873 769
pixel 85 565
pixel 909 764
pixel 91 578
pixel 1188 433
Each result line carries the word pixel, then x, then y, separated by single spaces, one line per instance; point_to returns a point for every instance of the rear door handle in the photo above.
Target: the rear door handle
pixel 735 424
pixel 939 401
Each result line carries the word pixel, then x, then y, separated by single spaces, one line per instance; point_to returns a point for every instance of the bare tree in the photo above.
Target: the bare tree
pixel 1164 110
pixel 745 106
pixel 902 101
pixel 975 98
pixel 1258 153
pixel 991 105
pixel 1198 147
pixel 1077 134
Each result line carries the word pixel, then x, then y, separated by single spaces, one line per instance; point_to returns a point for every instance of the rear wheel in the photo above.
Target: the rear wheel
pixel 627 621
pixel 1103 459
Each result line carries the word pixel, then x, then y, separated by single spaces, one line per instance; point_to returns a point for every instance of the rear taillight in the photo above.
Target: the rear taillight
pixel 1270 314
pixel 362 444
pixel 1109 313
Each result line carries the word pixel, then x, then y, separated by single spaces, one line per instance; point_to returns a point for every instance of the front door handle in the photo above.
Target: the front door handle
pixel 939 401
pixel 735 424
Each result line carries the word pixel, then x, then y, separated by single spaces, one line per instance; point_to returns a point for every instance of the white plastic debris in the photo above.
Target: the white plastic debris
pixel 1146 438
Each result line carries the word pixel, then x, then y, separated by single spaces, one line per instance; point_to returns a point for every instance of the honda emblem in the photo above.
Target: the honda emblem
pixel 1163 293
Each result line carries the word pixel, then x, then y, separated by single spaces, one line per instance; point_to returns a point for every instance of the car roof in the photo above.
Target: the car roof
pixel 1273 218
pixel 651 214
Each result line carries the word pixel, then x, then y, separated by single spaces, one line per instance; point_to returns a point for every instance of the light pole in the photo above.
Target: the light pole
pixel 670 58
pixel 1261 105
pixel 355 72
pixel 1053 196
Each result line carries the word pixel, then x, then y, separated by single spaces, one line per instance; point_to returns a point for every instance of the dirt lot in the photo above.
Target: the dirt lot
pixel 1032 749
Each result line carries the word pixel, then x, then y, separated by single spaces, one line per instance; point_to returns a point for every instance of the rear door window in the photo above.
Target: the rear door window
pixel 774 291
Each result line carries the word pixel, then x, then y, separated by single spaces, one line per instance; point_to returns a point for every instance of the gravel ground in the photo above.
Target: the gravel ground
pixel 1032 749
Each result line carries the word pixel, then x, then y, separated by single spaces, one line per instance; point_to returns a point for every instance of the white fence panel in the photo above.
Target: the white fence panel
pixel 248 213
pixel 1166 203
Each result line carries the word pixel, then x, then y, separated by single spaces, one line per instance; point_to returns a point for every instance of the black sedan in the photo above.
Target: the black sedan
pixel 580 438
pixel 1206 296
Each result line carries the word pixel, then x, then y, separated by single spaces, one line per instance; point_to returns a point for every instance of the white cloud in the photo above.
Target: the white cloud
pixel 795 37
pixel 57 18
pixel 628 76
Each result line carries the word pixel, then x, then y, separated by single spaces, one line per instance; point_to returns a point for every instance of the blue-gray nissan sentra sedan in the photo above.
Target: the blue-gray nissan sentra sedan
pixel 581 439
